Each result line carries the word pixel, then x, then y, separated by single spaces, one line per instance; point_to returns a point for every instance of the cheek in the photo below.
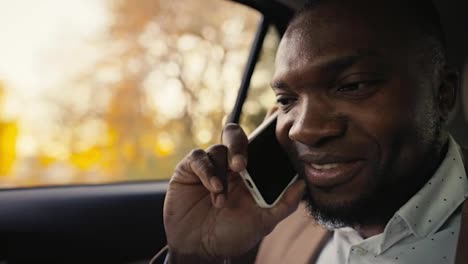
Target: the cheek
pixel 397 124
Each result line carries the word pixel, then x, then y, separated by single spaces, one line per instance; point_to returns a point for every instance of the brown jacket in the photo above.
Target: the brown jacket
pixel 298 240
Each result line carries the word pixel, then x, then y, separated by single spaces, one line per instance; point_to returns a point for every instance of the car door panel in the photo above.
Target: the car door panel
pixel 117 223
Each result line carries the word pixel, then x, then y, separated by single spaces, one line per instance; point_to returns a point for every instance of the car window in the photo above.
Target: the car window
pixel 116 90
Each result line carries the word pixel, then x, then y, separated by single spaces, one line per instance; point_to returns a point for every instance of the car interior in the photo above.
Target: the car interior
pixel 122 222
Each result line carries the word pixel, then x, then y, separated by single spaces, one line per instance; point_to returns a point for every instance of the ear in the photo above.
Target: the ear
pixel 447 92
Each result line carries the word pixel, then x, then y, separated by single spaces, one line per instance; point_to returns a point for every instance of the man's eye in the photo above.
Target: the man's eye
pixel 284 101
pixel 359 89
pixel 351 87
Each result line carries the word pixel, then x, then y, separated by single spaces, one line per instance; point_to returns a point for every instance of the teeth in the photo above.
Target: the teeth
pixel 325 166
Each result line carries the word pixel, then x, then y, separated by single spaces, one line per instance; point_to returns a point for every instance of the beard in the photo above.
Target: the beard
pixel 369 208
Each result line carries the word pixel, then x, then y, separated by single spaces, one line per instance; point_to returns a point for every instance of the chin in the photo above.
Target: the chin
pixel 330 214
pixel 343 209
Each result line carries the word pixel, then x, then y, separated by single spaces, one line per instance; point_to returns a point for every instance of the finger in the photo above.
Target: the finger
pixel 233 176
pixel 236 141
pixel 201 165
pixel 218 156
pixel 288 203
pixel 218 200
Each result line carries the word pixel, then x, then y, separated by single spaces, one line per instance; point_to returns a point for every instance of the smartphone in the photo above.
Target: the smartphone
pixel 269 170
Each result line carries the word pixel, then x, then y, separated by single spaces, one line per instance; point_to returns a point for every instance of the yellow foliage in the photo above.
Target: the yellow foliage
pixel 112 135
pixel 86 159
pixel 129 151
pixel 164 146
pixel 109 163
pixel 8 137
pixel 46 160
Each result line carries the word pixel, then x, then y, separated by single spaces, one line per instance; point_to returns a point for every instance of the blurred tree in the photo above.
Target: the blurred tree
pixel 8 138
pixel 167 78
pixel 168 49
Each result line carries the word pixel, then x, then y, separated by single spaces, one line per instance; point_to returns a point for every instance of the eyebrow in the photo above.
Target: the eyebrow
pixel 333 65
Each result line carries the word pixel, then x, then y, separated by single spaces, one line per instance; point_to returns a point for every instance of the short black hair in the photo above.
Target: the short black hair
pixel 423 16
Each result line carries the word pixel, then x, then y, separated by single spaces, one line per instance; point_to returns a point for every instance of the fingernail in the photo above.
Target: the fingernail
pixel 216 184
pixel 238 162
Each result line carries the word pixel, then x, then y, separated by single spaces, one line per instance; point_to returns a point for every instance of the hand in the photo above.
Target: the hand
pixel 209 212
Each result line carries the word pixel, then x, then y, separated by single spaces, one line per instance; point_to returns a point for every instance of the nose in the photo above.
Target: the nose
pixel 315 123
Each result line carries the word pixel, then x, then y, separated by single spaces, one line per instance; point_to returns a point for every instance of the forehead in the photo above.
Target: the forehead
pixel 332 31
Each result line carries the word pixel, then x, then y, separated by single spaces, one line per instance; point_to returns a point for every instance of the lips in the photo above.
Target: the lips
pixel 330 171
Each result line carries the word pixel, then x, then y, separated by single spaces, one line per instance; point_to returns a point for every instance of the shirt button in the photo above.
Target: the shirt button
pixel 360 251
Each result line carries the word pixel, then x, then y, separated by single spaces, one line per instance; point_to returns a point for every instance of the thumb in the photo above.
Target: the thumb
pixel 288 203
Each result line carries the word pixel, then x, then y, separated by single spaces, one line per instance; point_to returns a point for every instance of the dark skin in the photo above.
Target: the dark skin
pixel 350 90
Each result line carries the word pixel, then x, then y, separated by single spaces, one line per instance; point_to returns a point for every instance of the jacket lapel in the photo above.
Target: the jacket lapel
pixel 298 239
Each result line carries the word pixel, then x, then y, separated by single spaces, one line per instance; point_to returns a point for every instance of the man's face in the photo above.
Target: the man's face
pixel 356 114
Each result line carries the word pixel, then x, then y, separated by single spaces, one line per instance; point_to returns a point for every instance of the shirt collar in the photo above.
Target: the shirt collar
pixel 429 209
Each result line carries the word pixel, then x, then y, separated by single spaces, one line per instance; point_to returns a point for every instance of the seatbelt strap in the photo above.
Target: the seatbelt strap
pixel 461 256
